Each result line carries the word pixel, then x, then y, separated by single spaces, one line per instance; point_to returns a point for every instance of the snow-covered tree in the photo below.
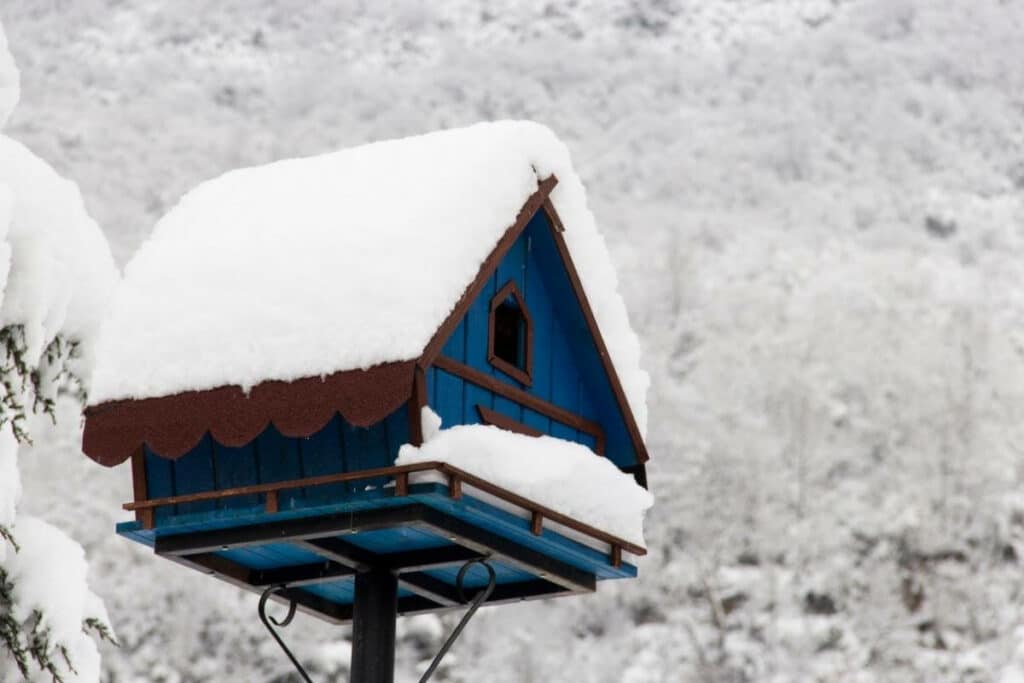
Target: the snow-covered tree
pixel 56 272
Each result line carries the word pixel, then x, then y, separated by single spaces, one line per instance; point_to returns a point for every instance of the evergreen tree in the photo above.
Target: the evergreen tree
pixel 55 273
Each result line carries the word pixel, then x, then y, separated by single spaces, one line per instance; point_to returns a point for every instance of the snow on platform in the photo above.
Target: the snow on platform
pixel 558 474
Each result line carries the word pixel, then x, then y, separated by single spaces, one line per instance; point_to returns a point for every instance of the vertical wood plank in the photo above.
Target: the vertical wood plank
pixel 194 472
pixel 476 353
pixel 539 301
pixel 278 461
pixel 322 454
pixel 159 482
pixel 353 449
pixel 564 380
pixel 397 434
pixel 234 467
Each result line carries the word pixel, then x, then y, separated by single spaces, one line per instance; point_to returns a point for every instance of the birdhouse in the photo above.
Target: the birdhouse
pixel 403 356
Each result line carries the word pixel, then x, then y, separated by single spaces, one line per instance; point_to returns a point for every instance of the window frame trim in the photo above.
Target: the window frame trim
pixel 522 375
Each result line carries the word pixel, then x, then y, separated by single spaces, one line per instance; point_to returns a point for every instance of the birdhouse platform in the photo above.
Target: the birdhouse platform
pixel 424 532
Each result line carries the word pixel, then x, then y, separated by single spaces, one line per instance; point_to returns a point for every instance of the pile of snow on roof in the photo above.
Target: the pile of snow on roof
pixel 306 267
pixel 558 474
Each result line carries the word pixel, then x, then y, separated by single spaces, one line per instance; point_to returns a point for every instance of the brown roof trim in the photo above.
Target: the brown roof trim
pixel 173 425
pixel 487 268
pixel 417 402
pixel 595 331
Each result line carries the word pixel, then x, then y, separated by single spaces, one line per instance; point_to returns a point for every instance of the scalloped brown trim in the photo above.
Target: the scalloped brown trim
pixel 173 425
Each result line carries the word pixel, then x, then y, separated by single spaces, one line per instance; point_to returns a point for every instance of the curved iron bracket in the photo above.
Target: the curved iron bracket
pixel 271 622
pixel 477 601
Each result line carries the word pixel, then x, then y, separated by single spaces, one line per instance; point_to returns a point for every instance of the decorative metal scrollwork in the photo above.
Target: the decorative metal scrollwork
pixel 271 622
pixel 477 601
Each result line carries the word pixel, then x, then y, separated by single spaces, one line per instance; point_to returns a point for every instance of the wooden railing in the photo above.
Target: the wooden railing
pixel 400 473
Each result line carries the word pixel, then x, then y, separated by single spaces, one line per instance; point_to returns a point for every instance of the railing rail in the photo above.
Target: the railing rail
pixel 400 473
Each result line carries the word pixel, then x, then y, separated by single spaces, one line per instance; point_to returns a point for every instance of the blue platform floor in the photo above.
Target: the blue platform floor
pixel 426 535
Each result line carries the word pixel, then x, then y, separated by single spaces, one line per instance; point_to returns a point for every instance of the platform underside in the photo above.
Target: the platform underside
pixel 425 537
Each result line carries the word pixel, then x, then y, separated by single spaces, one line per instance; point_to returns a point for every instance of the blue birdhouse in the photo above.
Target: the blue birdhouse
pixel 406 355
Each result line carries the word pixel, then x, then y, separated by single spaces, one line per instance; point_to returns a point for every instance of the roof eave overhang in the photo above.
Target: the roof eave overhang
pixel 173 425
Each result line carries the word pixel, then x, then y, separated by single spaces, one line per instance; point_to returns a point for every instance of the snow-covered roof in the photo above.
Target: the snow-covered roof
pixel 306 267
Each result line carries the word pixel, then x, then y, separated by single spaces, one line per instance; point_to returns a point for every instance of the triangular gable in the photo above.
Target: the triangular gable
pixel 539 222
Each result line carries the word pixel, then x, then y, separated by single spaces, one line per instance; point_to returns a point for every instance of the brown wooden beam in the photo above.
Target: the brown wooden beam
pixel 417 402
pixel 536 523
pixel 493 417
pixel 342 552
pixel 281 485
pixel 301 575
pixel 428 558
pixel 454 486
pixel 139 487
pixel 616 558
pixel 433 589
pixel 523 398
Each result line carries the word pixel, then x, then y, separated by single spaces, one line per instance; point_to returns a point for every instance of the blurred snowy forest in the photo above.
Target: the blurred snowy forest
pixel 817 211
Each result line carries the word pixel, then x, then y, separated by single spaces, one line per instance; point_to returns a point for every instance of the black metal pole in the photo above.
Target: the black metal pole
pixel 373 627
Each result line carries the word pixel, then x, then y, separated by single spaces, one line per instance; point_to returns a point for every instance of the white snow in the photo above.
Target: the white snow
pixel 559 474
pixel 9 81
pixel 430 423
pixel 49 573
pixel 61 274
pixel 10 485
pixel 56 277
pixel 309 266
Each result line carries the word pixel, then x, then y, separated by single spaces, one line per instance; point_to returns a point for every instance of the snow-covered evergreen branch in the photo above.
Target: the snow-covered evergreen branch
pixel 56 273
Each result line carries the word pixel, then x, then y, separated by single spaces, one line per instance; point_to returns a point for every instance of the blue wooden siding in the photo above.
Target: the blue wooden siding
pixel 338 447
pixel 567 369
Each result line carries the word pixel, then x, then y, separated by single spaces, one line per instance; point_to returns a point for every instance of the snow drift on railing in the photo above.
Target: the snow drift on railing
pixel 562 475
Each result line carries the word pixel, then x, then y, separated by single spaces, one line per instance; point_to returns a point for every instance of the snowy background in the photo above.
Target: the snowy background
pixel 817 212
